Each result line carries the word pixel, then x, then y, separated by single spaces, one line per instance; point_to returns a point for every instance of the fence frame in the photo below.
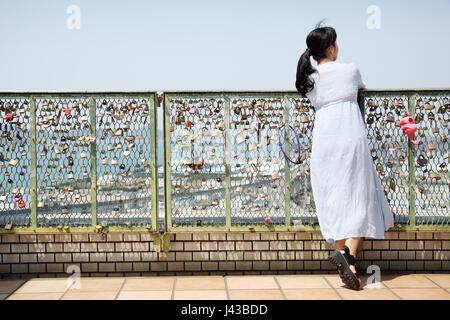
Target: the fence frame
pixel 32 96
pixel 225 95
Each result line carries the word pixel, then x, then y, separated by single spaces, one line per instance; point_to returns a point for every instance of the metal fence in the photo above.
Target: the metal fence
pixel 79 159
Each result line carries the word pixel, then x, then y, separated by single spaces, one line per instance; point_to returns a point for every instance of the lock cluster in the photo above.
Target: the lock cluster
pixel 389 148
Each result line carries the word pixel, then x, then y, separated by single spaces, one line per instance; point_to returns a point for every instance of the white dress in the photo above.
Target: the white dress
pixel 349 197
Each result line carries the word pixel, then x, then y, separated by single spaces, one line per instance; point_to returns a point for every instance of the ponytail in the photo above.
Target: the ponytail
pixel 303 82
pixel 317 43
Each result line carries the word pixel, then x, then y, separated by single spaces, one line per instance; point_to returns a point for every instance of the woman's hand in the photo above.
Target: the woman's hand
pixel 360 97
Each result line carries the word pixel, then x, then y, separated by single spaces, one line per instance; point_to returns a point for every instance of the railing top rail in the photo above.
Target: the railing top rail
pixel 81 92
pixel 368 90
pixel 285 91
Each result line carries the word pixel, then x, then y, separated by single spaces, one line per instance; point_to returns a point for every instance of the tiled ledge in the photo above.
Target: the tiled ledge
pixel 133 253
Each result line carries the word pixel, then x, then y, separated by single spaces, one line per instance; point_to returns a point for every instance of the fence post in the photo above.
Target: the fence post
pixel 93 119
pixel 154 163
pixel 167 166
pixel 227 164
pixel 287 173
pixel 411 166
pixel 34 221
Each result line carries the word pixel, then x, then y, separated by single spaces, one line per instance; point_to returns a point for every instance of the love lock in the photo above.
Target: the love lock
pixel 70 176
pixel 434 128
pixel 392 184
pixel 13 162
pixel 390 117
pixel 432 146
pixel 18 197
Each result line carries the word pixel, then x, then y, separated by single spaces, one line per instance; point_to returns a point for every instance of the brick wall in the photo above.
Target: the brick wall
pixel 192 253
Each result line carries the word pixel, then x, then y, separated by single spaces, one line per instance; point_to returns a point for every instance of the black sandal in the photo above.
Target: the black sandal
pixel 342 262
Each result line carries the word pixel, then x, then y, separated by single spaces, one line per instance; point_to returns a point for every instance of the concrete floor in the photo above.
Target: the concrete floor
pixel 277 287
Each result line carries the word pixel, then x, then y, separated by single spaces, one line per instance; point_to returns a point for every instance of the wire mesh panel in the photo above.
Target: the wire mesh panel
pixel 301 118
pixel 431 160
pixel 63 161
pixel 124 133
pixel 257 166
pixel 15 192
pixel 197 160
pixel 389 149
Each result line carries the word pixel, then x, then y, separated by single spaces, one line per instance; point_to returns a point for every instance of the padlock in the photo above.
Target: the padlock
pixel 392 184
pixel 422 161
pixel 370 119
pixel 390 117
pixel 13 162
pixel 70 175
pixel 418 118
pixel 428 106
pixel 432 146
pixel 434 128
pixel 304 118
pixel 434 175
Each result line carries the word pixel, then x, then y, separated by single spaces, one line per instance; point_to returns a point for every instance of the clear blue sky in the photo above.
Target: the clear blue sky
pixel 217 45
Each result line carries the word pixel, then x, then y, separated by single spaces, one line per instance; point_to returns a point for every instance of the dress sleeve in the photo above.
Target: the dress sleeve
pixel 358 78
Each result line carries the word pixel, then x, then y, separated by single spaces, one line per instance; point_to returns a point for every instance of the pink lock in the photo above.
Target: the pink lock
pixel 409 127
pixel 192 110
pixel 9 116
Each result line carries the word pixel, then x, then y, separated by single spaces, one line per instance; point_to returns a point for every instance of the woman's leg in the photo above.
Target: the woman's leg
pixel 339 244
pixel 352 244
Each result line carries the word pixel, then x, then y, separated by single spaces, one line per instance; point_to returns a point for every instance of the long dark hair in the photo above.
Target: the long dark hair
pixel 317 42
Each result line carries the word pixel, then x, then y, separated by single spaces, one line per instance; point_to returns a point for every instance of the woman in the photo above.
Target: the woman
pixel 350 201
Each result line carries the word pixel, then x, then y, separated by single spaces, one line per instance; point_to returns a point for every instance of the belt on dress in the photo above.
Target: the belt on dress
pixel 350 98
